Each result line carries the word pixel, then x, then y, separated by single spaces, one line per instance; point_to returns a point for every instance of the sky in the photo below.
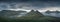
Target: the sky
pixel 41 5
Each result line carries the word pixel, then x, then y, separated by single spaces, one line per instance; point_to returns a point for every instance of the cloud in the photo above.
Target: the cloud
pixel 28 5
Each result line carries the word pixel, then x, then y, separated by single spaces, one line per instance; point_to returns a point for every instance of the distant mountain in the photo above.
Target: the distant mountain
pixel 10 13
pixel 52 11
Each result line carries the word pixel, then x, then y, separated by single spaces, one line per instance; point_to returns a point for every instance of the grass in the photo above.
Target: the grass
pixel 41 19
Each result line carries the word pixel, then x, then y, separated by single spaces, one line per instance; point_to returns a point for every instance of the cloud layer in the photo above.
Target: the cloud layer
pixel 36 5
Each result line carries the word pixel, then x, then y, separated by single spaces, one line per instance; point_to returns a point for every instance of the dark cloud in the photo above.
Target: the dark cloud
pixel 28 0
pixel 29 4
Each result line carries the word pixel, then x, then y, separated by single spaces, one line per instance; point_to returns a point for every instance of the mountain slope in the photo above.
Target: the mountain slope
pixel 32 15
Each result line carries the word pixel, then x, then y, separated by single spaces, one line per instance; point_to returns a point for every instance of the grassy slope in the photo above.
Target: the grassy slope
pixel 31 19
pixel 38 19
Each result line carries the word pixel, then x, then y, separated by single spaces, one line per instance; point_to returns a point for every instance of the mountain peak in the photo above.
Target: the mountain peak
pixel 32 10
pixel 34 13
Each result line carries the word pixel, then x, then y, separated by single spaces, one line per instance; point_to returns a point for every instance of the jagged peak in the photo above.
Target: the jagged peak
pixel 32 11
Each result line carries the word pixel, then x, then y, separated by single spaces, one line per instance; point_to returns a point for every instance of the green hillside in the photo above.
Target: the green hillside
pixel 32 16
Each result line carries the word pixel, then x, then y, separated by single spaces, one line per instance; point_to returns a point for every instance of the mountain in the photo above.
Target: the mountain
pixel 52 11
pixel 10 13
pixel 32 15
